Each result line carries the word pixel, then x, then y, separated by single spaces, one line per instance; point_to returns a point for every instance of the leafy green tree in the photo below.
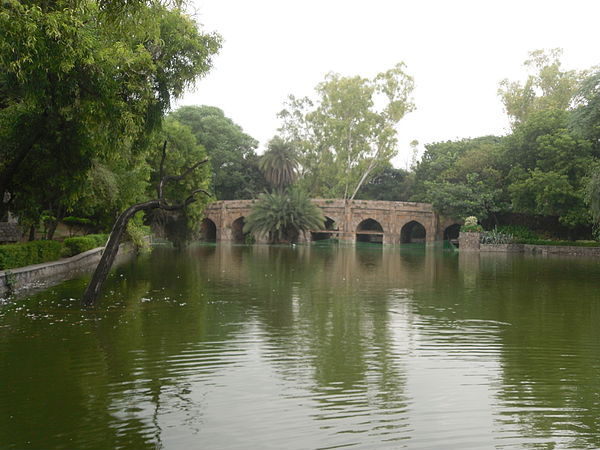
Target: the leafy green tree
pixel 592 192
pixel 84 81
pixel 349 131
pixel 585 119
pixel 234 162
pixel 462 178
pixel 183 152
pixel 547 168
pixel 283 215
pixel 279 163
pixel 388 184
pixel 547 87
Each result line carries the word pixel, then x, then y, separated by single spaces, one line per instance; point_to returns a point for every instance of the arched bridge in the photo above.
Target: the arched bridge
pixel 359 220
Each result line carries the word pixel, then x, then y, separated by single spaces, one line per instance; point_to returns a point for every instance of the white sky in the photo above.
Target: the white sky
pixel 457 51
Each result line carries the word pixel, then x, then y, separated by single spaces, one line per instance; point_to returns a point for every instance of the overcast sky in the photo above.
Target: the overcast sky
pixel 457 51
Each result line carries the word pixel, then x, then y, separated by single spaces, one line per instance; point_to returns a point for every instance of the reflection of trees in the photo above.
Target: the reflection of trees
pixel 550 354
pixel 335 338
pixel 102 380
pixel 334 323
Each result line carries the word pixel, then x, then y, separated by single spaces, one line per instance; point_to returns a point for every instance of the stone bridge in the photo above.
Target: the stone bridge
pixel 360 220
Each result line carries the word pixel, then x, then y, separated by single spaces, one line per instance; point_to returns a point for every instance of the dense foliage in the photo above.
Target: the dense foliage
pixel 79 244
pixel 36 252
pixel 348 132
pixel 84 86
pixel 234 162
pixel 544 174
pixel 283 215
pixel 279 164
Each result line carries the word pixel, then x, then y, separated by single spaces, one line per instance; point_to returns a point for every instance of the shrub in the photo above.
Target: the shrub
pixel 518 231
pixel 496 237
pixel 77 221
pixel 471 225
pixel 25 254
pixel 560 243
pixel 282 215
pixel 137 234
pixel 75 245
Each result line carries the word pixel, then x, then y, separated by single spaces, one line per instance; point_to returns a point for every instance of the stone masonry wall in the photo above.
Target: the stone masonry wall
pixel 392 216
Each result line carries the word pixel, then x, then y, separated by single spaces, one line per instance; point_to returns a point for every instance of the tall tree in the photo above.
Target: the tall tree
pixel 462 178
pixel 232 153
pixel 547 87
pixel 548 165
pixel 348 131
pixel 279 163
pixel 85 80
pixel 585 120
pixel 388 184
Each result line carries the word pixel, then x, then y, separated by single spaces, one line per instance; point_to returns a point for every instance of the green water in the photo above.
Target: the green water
pixel 223 347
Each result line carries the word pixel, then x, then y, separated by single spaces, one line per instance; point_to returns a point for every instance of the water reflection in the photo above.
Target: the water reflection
pixel 309 347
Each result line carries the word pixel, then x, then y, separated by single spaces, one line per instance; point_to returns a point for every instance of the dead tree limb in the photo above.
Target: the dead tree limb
pixel 100 275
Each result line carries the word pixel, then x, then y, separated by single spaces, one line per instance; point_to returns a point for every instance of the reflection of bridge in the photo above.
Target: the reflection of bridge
pixel 359 220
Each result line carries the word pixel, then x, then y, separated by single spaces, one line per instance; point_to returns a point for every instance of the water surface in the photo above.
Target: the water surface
pixel 234 347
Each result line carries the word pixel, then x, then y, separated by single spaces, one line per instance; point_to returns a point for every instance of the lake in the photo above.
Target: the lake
pixel 309 347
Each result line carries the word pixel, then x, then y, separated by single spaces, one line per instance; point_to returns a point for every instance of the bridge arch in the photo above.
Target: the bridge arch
pixel 237 230
pixel 208 230
pixel 413 232
pixel 451 232
pixel 369 230
pixel 331 225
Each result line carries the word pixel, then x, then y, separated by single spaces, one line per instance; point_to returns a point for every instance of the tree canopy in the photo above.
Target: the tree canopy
pixel 545 168
pixel 232 154
pixel 279 163
pixel 547 86
pixel 282 215
pixel 84 85
pixel 348 131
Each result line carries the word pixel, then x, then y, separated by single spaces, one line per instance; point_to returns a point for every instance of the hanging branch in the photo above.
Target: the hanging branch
pixel 100 275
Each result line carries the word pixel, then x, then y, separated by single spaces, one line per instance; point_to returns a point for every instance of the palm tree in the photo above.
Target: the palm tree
pixel 283 215
pixel 279 163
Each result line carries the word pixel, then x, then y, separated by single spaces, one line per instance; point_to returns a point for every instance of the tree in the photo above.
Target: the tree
pixel 349 131
pixel 85 81
pixel 182 224
pixel 283 215
pixel 388 184
pixel 462 178
pixel 547 166
pixel 231 151
pixel 592 192
pixel 585 120
pixel 109 254
pixel 548 87
pixel 279 163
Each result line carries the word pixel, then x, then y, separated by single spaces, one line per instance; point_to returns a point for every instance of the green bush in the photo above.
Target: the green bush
pixel 561 243
pixel 471 225
pixel 471 228
pixel 518 231
pixel 137 234
pixel 75 245
pixel 495 236
pixel 25 254
pixel 82 221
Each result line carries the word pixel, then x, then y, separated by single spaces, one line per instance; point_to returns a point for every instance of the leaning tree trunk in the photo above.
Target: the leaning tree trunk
pixel 112 246
pixel 111 250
